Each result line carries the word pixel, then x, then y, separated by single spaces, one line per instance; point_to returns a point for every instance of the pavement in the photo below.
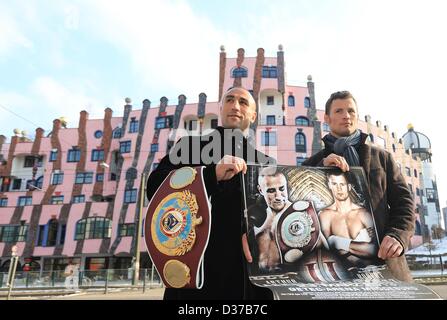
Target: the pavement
pixel 133 294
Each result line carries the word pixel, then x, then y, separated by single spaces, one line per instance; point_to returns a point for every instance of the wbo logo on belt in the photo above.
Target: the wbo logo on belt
pixel 177 227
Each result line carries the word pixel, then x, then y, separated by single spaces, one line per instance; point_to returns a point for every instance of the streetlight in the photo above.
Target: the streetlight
pixel 12 270
pixel 136 273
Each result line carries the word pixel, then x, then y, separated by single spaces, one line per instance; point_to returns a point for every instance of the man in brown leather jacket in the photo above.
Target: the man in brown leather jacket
pixel 391 199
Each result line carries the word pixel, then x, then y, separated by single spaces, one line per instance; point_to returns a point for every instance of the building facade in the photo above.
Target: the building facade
pixel 73 193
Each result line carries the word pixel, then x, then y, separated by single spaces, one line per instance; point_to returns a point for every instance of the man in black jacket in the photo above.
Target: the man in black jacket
pixel 391 199
pixel 224 153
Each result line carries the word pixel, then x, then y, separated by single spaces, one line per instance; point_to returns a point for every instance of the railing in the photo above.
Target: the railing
pixel 104 278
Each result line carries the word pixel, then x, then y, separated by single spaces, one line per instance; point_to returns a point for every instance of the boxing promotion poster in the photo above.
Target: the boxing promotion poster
pixel 312 235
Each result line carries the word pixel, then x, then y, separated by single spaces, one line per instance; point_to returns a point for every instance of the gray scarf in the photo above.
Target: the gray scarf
pixel 345 146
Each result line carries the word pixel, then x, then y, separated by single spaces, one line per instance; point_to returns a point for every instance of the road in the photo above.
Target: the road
pixel 152 294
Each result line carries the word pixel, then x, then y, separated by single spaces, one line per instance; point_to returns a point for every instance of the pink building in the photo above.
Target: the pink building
pixel 73 192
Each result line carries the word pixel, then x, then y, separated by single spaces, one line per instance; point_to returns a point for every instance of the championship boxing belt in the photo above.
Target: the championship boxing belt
pixel 177 228
pixel 297 231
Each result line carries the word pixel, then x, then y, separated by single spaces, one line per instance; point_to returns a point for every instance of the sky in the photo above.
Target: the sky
pixel 60 57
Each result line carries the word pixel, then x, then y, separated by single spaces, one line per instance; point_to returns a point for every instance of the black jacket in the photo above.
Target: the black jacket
pixel 225 269
pixel 391 199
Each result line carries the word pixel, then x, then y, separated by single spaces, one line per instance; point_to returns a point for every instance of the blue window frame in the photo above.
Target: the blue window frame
pixel 99 177
pixel 57 200
pixel 58 178
pixel 302 121
pixel 84 177
pixel 74 155
pixel 270 120
pixel 117 133
pixel 299 161
pixel 133 126
pixel 291 101
pixel 3 202
pixel 98 134
pixel 300 142
pixel 268 138
pixel 125 146
pixel 130 196
pixel 240 72
pixel 269 72
pixel 97 155
pixel 24 201
pixel 160 122
pixel 79 199
pixel 93 228
pixel 307 102
pixel 53 156
pixel 154 147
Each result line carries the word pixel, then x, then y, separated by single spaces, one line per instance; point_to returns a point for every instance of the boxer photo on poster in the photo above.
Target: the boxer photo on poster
pixel 314 221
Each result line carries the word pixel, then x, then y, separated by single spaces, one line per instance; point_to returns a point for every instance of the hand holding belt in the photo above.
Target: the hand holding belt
pixel 177 228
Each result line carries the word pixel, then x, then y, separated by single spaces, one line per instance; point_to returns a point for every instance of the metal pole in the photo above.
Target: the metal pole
pixel 144 280
pixel 136 273
pixel 152 277
pixel 14 261
pixel 107 281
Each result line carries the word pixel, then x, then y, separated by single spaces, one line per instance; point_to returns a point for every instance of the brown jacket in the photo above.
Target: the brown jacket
pixel 391 199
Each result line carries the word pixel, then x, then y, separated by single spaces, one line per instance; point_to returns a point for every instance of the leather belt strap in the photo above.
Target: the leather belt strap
pixel 177 228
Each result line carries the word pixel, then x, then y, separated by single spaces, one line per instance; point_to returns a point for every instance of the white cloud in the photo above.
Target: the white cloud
pixel 11 35
pixel 67 101
pixel 169 45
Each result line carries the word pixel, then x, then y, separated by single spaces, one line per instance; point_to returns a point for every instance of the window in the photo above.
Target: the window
pixel 307 102
pixel 99 177
pixel 97 155
pixel 154 147
pixel 302 121
pixel 270 100
pixel 53 156
pixel 62 232
pixel 415 173
pixel 214 123
pixel 240 72
pixel 52 230
pixel 270 120
pixel 58 178
pixel 79 199
pixel 3 202
pixel 74 155
pixel 299 161
pixel 98 134
pixel 269 138
pixel 164 122
pixel 431 195
pixel 84 177
pixel 291 101
pixel 300 142
pixel 408 172
pixel 269 72
pixel 371 137
pixel 326 127
pixel 126 229
pixel 130 196
pixel 16 184
pixel 394 148
pixel 125 146
pixel 29 162
pixel 11 233
pixel 93 228
pixel 57 200
pixel 410 186
pixel 24 201
pixel 133 126
pixel 117 133
pixel 191 125
pixel 417 191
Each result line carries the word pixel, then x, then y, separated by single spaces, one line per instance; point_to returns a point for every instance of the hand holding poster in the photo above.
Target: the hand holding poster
pixel 312 235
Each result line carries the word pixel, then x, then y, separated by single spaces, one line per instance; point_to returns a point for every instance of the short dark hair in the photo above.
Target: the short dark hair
pixel 338 95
